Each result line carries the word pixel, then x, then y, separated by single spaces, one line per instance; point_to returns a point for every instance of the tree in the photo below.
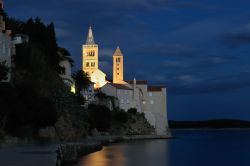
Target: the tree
pixel 81 81
pixel 4 69
pixel 99 117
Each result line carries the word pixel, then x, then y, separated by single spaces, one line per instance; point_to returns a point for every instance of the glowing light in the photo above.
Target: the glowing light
pixel 73 89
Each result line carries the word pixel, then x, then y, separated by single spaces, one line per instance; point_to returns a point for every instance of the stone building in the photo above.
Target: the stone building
pixel 90 61
pixel 7 47
pixel 150 100
pixel 66 65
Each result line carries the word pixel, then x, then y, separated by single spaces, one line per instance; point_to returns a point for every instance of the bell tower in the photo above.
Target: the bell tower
pixel 90 54
pixel 118 67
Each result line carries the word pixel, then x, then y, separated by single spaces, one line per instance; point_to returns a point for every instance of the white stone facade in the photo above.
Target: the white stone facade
pixel 149 100
pixel 7 47
pixel 5 51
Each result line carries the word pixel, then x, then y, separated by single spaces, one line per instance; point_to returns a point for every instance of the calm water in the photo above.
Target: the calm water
pixel 192 148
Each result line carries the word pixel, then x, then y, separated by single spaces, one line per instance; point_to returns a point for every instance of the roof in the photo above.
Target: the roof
pixel 90 38
pixel 155 88
pixel 118 52
pixel 121 86
pixel 139 82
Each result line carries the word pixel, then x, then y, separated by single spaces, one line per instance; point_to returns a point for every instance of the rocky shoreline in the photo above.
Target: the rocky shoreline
pixel 56 153
pixel 69 153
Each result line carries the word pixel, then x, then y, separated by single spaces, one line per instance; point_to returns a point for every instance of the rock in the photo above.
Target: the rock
pixel 48 133
pixel 95 132
pixel 70 153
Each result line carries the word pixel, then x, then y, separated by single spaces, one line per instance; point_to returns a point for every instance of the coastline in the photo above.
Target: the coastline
pixel 69 153
pixel 204 129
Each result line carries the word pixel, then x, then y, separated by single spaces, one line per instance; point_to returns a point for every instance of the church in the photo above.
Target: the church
pixel 150 100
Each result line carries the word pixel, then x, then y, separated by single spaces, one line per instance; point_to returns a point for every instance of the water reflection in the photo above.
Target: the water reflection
pixel 145 153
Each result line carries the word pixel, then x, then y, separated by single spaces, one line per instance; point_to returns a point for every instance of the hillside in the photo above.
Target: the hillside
pixel 218 123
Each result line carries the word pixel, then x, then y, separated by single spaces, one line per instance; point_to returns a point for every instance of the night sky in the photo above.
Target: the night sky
pixel 199 49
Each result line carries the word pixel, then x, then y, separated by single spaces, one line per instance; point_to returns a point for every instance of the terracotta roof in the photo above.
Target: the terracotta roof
pixel 155 88
pixel 121 86
pixel 139 82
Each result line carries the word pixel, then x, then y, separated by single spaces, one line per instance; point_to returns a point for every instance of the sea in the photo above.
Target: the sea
pixel 189 148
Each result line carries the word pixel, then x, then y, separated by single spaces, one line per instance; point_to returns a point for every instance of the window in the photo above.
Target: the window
pixel 117 69
pixel 152 102
pixel 92 64
pixel 150 94
pixel 118 59
pixel 87 64
pixel 118 74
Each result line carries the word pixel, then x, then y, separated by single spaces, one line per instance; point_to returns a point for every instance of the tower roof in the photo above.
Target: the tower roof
pixel 90 38
pixel 118 52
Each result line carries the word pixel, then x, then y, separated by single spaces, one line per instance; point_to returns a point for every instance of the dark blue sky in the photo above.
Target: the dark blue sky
pixel 200 49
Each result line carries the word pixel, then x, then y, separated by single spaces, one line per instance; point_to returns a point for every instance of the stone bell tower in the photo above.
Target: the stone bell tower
pixel 90 54
pixel 118 67
pixel 90 61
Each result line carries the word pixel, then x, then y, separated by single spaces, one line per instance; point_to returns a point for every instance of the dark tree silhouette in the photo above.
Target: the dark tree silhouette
pixel 81 81
pixel 3 71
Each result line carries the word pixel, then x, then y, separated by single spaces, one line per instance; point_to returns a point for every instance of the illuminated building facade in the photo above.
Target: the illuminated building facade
pixel 90 61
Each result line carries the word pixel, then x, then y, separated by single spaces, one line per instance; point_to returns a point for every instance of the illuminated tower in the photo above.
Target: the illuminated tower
pixel 90 61
pixel 118 67
pixel 90 54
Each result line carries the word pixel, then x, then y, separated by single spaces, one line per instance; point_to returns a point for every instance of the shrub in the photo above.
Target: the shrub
pixel 132 111
pixel 119 115
pixel 99 117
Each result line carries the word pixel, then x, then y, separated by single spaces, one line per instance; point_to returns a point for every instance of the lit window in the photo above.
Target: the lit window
pixel 152 102
pixel 150 94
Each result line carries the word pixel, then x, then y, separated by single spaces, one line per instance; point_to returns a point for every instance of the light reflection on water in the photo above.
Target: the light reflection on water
pixel 192 148
pixel 144 153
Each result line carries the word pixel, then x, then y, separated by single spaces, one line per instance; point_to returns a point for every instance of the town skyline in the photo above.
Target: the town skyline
pixel 200 48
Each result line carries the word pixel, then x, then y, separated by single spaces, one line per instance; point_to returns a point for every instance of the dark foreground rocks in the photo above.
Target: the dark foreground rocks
pixel 70 153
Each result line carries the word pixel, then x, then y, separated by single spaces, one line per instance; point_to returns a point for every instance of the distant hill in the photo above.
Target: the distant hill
pixel 219 123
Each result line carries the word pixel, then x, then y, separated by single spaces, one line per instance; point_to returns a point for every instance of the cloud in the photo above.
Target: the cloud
pixel 176 64
pixel 238 36
pixel 106 52
pixel 63 33
pixel 186 85
pixel 168 49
